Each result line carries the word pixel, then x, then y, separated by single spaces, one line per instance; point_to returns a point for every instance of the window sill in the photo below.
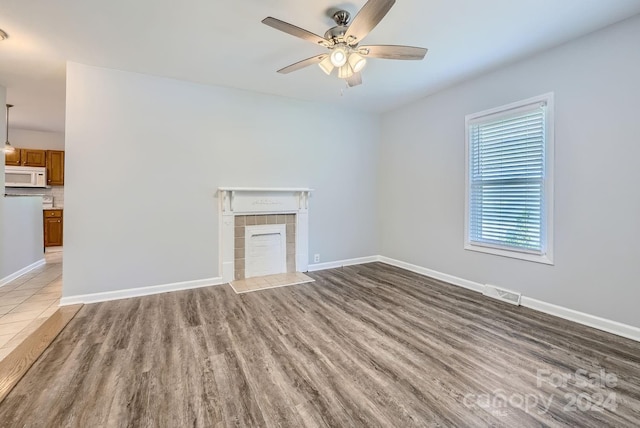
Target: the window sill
pixel 536 258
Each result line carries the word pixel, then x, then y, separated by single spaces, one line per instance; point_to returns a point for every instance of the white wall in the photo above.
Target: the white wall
pixel 596 80
pixel 145 155
pixel 22 235
pixel 3 130
pixel 27 138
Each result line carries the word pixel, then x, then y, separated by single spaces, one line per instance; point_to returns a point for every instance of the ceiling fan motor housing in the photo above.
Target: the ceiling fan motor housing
pixel 342 18
pixel 336 34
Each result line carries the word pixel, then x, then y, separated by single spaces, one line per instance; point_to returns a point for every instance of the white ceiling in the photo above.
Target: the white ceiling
pixel 224 43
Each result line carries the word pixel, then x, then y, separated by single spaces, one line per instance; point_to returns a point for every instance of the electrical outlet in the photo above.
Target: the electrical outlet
pixel 316 258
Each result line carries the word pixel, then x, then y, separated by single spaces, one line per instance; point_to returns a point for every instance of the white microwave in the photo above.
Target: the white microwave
pixel 25 176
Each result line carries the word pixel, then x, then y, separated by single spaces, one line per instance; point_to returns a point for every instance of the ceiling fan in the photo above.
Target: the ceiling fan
pixel 343 41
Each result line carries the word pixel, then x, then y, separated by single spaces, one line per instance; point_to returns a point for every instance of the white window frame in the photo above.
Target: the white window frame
pixel 546 256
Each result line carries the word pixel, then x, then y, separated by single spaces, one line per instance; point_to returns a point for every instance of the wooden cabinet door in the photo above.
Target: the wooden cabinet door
pixel 13 158
pixel 32 157
pixel 55 167
pixel 52 228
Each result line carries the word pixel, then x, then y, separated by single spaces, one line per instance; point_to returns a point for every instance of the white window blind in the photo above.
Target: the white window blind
pixel 506 188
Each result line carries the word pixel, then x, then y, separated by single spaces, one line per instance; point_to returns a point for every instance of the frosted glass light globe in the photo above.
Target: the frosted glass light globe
pixel 338 57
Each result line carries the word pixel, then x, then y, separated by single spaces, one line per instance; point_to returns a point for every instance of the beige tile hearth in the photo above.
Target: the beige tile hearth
pixel 269 281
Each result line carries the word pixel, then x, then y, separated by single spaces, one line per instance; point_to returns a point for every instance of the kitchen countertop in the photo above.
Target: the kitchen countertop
pixel 9 195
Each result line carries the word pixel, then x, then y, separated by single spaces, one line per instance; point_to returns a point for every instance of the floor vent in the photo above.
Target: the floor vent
pixel 502 294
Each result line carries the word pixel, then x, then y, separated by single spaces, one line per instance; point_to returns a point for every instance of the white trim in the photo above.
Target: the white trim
pixel 610 326
pixel 15 275
pixel 265 189
pixel 140 291
pixel 509 110
pixel 547 213
pixel 514 254
pixel 620 329
pixel 470 285
pixel 342 263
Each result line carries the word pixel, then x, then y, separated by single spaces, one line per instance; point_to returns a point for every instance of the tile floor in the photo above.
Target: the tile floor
pixel 26 302
pixel 269 281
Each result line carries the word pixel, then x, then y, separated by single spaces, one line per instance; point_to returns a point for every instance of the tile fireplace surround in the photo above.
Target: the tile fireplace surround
pixel 240 242
pixel 237 204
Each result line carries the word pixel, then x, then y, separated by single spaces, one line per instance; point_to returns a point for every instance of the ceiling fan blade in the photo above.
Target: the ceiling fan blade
pixel 295 31
pixel 392 52
pixel 367 18
pixel 302 64
pixel 354 80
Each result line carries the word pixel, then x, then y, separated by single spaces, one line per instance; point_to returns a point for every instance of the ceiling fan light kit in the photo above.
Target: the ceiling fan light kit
pixel 338 56
pixel 357 62
pixel 326 65
pixel 345 71
pixel 343 42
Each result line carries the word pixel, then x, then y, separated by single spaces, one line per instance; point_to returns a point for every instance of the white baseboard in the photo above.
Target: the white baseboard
pixel 624 330
pixel 138 292
pixel 32 266
pixel 186 285
pixel 341 263
pixel 474 286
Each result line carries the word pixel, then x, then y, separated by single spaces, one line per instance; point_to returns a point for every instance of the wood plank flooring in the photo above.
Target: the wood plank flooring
pixel 18 362
pixel 367 346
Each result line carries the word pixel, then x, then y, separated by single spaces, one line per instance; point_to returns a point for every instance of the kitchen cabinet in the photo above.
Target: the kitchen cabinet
pixel 53 228
pixel 13 158
pixel 33 157
pixel 53 160
pixel 55 167
pixel 26 157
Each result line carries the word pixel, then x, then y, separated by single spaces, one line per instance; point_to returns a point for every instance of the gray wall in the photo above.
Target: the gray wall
pixel 596 80
pixel 3 130
pixel 145 155
pixel 27 138
pixel 22 241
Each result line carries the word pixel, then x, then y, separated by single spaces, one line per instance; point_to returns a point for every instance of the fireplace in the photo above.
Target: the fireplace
pixel 263 231
pixel 264 245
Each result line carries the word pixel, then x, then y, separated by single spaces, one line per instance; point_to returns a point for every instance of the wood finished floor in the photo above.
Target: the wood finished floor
pixel 20 360
pixel 368 345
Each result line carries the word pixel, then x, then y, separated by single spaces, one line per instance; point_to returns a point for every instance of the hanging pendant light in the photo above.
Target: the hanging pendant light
pixel 8 148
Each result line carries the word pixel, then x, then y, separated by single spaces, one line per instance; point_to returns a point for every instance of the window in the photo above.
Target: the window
pixel 509 186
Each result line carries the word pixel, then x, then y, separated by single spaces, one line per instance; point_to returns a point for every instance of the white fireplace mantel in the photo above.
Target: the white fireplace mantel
pixel 259 201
